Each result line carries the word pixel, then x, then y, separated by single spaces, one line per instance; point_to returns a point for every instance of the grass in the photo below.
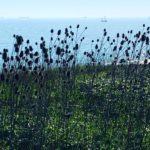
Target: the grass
pixel 49 101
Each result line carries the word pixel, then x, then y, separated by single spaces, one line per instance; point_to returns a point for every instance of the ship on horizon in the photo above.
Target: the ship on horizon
pixel 104 19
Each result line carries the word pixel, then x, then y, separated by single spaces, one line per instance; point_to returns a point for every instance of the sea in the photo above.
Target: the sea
pixel 34 29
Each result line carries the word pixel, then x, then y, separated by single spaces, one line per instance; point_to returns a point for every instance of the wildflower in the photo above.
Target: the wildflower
pixel 52 31
pixel 66 30
pixel 143 38
pixel 96 46
pixel 120 48
pixel 59 32
pixel 67 46
pixel 21 54
pixel 117 35
pixel 131 31
pixel 36 54
pixel 127 53
pixel 70 58
pixel 4 56
pixel 19 40
pixel 18 58
pixel 16 48
pixel 85 53
pixel 78 26
pixel 123 36
pixel 51 60
pixel 4 65
pixel 30 48
pixel 105 33
pixel 58 51
pixel 42 39
pixel 115 48
pixel 145 61
pixel 147 40
pixel 36 60
pixel 122 61
pixel 76 47
pixel 26 51
pixel 28 42
pixel 31 55
pixel 108 38
pixel 72 33
pixel 122 42
pixel 30 63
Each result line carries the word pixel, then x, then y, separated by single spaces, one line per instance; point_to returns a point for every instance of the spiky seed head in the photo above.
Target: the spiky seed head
pixel 28 42
pixel 52 31
pixel 59 32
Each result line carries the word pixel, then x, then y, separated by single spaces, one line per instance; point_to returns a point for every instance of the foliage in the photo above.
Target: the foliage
pixel 50 101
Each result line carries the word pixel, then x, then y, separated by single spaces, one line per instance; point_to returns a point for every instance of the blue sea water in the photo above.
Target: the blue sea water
pixel 33 29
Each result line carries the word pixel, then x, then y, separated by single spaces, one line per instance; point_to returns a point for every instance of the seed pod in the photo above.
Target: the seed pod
pixel 105 33
pixel 117 35
pixel 28 42
pixel 4 56
pixel 147 40
pixel 36 60
pixel 59 32
pixel 76 47
pixel 19 40
pixel 115 48
pixel 52 31
pixel 21 54
pixel 17 59
pixel 143 38
pixel 96 46
pixel 145 61
pixel 58 51
pixel 36 54
pixel 51 60
pixel 42 38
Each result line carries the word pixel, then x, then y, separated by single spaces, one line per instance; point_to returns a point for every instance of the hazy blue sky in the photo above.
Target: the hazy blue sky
pixel 74 8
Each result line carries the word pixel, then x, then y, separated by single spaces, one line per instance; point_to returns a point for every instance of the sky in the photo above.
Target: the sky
pixel 74 8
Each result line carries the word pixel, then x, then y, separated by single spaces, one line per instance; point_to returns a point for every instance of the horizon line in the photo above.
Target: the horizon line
pixel 84 17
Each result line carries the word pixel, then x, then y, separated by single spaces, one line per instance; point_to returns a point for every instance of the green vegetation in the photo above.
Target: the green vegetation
pixel 90 106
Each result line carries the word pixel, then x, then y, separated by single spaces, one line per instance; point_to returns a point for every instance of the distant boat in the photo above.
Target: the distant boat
pixel 104 19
